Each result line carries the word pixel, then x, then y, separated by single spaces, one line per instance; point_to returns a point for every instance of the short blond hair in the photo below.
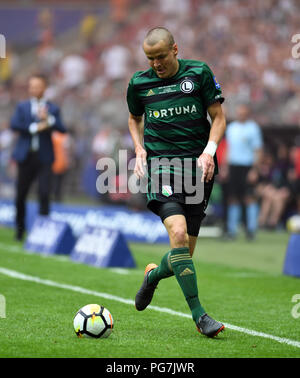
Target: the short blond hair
pixel 157 34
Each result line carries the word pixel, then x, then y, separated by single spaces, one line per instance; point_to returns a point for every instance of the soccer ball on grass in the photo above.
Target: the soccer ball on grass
pixel 93 320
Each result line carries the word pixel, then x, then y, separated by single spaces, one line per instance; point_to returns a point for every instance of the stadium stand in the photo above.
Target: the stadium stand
pixel 90 51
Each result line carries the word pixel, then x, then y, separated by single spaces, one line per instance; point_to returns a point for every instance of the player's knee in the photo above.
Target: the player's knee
pixel 179 237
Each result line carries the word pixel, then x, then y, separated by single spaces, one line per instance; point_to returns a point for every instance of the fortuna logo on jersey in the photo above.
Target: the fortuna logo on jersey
pixel 177 110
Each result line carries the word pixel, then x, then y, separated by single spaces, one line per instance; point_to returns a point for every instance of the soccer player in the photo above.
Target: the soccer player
pixel 168 106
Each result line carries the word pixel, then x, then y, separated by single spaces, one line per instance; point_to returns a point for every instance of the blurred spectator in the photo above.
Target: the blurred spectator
pixel 222 179
pixel 48 57
pixel 119 11
pixel 244 144
pixel 116 62
pixel 6 144
pixel 114 112
pixel 296 177
pixel 104 145
pixel 264 174
pixel 45 27
pixel 275 190
pixel 73 70
pixel 88 28
pixel 292 110
pixel 105 142
pixel 6 137
pixel 177 8
pixel 63 147
pixel 8 67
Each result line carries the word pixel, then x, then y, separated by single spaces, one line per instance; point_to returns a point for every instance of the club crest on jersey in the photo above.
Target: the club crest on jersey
pixel 167 190
pixel 187 86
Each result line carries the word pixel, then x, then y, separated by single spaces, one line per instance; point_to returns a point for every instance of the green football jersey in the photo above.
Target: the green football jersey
pixel 175 109
pixel 175 121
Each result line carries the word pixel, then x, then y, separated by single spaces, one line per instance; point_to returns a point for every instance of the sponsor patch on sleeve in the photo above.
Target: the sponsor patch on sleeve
pixel 217 85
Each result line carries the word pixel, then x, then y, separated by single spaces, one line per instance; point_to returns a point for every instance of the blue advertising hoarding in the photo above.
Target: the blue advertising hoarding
pixel 50 237
pixel 142 227
pixel 102 247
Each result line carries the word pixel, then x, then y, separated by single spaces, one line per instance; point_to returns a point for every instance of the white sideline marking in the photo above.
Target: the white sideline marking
pixel 11 248
pixel 119 270
pixel 78 289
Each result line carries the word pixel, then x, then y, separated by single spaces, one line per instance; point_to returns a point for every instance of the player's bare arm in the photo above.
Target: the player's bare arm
pixel 218 126
pixel 136 128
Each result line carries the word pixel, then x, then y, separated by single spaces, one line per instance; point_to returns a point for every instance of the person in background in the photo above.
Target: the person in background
pixel 62 145
pixel 244 146
pixel 34 120
pixel 222 179
pixel 277 193
pixel 296 178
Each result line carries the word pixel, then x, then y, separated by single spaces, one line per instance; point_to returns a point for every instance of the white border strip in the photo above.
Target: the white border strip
pixel 78 289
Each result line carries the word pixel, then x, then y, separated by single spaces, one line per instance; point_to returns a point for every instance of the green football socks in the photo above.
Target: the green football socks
pixel 178 262
pixel 184 270
pixel 164 270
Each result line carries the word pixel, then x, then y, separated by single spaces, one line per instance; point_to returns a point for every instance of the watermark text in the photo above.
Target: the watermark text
pixel 2 46
pixel 296 48
pixel 166 176
pixel 296 309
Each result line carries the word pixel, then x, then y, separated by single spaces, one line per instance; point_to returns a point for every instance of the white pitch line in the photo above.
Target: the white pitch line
pixel 119 271
pixel 78 289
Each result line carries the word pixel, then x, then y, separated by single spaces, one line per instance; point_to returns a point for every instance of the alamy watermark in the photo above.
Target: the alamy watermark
pixel 2 46
pixel 296 48
pixel 162 175
pixel 296 309
pixel 2 306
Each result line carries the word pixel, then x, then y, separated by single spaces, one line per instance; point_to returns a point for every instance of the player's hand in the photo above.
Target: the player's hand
pixel 140 162
pixel 207 164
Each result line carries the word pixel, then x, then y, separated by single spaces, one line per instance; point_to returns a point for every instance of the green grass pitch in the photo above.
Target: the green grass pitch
pixel 240 284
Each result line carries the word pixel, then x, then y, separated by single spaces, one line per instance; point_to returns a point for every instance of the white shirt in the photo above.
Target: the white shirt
pixel 116 60
pixel 35 106
pixel 74 69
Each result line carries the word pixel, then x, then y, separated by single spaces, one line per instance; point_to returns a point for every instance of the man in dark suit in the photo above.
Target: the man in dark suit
pixel 34 120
